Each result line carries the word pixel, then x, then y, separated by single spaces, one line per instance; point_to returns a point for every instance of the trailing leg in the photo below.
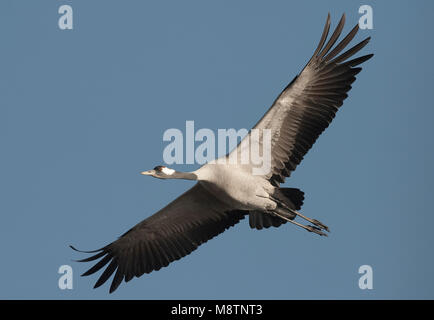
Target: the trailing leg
pixel 282 214
pixel 291 199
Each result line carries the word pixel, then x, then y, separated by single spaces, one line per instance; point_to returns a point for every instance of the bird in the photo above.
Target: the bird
pixel 227 192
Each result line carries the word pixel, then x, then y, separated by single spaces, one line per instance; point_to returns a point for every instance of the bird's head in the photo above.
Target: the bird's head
pixel 160 172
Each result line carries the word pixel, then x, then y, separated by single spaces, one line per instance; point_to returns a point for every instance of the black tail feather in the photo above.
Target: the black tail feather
pixel 296 196
pixel 259 220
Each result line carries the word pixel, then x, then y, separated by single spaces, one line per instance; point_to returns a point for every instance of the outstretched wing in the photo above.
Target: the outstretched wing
pixel 309 103
pixel 168 235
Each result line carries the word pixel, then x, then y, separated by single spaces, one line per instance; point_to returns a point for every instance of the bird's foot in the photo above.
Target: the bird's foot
pixel 320 225
pixel 316 230
pixel 316 223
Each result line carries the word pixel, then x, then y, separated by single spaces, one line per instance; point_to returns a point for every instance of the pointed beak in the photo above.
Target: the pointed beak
pixel 148 173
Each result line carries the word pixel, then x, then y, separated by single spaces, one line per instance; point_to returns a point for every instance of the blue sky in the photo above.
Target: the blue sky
pixel 83 111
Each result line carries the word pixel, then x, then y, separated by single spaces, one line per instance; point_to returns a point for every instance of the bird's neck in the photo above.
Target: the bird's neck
pixel 183 175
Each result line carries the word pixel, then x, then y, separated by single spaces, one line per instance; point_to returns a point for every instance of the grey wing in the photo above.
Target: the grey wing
pixel 308 104
pixel 168 235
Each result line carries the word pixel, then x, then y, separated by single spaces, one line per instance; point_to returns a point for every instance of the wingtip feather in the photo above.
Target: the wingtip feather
pixel 82 251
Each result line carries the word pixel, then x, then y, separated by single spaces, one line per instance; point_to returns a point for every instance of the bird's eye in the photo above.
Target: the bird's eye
pixel 158 168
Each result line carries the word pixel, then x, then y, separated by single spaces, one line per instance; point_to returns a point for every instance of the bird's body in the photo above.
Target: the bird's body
pixel 227 192
pixel 234 185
